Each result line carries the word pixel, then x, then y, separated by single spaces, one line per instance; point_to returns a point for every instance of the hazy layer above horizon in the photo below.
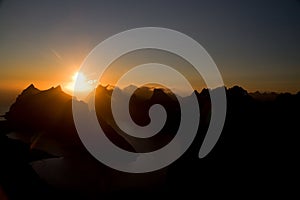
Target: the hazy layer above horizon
pixel 255 44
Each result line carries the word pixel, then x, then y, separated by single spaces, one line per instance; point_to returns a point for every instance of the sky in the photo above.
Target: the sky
pixel 255 44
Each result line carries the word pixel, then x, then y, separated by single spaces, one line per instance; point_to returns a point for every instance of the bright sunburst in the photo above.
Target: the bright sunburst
pixel 82 83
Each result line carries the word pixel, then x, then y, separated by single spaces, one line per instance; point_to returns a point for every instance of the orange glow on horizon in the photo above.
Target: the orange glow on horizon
pixel 82 83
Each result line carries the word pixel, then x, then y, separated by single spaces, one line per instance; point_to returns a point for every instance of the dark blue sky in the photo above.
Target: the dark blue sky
pixel 255 44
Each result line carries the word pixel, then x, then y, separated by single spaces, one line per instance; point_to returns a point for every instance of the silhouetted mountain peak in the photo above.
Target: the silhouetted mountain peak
pixel 33 104
pixel 31 86
pixel 31 89
pixel 238 91
pixel 158 91
pixel 204 92
pixel 130 88
pixel 102 90
pixel 143 92
pixel 161 93
pixel 265 96
pixel 57 88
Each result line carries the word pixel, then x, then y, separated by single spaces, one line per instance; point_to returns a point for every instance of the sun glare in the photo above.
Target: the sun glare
pixel 82 83
pixel 79 75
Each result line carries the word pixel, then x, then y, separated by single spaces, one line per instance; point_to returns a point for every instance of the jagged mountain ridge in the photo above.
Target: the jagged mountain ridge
pixel 258 141
pixel 50 110
pixel 54 105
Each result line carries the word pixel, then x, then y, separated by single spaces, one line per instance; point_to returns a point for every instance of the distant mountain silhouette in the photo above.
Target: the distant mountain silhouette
pixel 140 103
pixel 257 147
pixel 50 112
pixel 32 105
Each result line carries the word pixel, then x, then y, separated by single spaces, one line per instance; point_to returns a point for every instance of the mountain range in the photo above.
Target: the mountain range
pixel 258 144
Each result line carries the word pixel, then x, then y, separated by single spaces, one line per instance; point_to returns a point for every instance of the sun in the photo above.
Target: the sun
pixel 80 83
pixel 80 76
